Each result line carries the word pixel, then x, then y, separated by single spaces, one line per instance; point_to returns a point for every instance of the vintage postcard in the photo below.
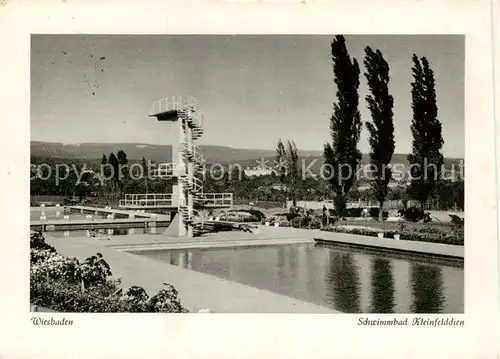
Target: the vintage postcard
pixel 327 170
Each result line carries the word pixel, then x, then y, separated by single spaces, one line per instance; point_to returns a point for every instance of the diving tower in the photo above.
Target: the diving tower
pixel 186 168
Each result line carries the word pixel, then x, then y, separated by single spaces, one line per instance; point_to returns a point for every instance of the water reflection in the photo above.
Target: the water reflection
pixel 427 289
pixel 382 286
pixel 342 282
pixel 350 281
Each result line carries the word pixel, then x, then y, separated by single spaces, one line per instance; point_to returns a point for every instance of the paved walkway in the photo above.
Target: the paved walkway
pixel 196 290
pixel 260 236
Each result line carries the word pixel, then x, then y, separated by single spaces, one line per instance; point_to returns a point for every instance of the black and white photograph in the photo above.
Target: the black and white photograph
pixel 247 174
pixel 249 179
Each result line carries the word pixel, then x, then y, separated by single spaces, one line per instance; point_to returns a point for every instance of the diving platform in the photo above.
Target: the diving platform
pixel 186 169
pixel 117 212
pixel 79 224
pixel 152 201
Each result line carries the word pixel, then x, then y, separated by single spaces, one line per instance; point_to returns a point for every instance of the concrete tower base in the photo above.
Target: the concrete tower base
pixel 176 228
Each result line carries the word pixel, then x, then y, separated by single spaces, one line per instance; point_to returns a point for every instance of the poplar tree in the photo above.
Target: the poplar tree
pixel 281 160
pixel 289 167
pixel 145 173
pixel 342 156
pixel 381 129
pixel 113 161
pixel 426 159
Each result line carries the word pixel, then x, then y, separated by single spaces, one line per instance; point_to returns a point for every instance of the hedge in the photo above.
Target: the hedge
pixel 433 236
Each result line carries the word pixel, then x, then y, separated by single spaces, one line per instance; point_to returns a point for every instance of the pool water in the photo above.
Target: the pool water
pixel 109 232
pixel 351 281
pixel 58 214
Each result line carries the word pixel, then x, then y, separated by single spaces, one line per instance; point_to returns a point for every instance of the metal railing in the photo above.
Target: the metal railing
pixel 194 154
pixel 215 199
pixel 148 200
pixel 170 200
pixel 163 170
pixel 164 105
pixel 194 186
pixel 193 119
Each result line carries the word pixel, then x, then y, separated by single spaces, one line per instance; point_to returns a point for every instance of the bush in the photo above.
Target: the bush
pixel 94 270
pixel 353 212
pixel 374 212
pixel 412 214
pixel 238 216
pixel 297 222
pixel 290 216
pixel 66 285
pixel 37 241
pixel 315 223
pixel 434 236
pixel 255 213
pixel 456 220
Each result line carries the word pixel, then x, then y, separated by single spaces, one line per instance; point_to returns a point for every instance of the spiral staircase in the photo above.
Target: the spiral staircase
pixel 186 167
pixel 192 166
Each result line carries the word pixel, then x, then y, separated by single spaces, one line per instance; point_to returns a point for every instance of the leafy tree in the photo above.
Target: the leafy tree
pixel 380 103
pixel 426 159
pixel 449 194
pixel 343 156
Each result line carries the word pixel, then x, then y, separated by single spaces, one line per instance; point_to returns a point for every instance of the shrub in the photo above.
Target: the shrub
pixel 374 212
pixel 296 222
pixel 40 255
pixel 95 270
pixel 137 299
pixel 238 216
pixel 315 223
pixel 37 241
pixel 434 236
pixel 166 300
pixel 290 216
pixel 258 215
pixel 55 266
pixel 413 214
pixel 353 212
pixel 283 222
pixel 456 220
pixel 66 285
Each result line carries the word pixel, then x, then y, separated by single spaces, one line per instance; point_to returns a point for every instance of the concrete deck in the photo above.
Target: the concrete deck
pixel 261 236
pixel 410 247
pixel 196 290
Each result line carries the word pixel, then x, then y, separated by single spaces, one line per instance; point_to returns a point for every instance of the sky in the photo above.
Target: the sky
pixel 250 89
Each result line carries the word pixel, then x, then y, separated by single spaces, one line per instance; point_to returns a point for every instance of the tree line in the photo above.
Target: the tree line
pixel 342 154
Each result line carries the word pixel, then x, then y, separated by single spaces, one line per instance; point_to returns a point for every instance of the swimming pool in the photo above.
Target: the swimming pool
pixel 348 280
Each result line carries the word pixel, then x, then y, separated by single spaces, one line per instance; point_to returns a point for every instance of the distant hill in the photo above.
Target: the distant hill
pixel 163 153
pixel 156 153
pixel 397 158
